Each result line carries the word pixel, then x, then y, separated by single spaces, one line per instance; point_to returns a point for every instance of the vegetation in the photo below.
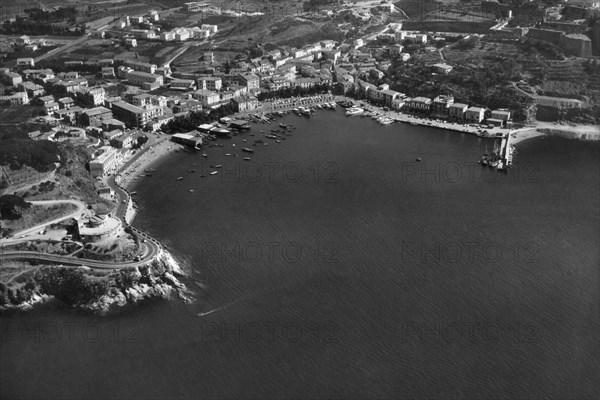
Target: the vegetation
pixel 12 206
pixel 24 26
pixel 58 15
pixel 293 92
pixel 546 49
pixel 71 285
pixel 188 123
pixel 40 155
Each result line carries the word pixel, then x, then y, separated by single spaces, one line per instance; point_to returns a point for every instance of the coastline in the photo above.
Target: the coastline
pixel 129 176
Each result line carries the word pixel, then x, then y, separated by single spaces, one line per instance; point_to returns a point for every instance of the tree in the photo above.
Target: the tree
pixel 11 206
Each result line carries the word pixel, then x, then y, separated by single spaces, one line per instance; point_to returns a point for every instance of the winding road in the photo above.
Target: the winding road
pixel 150 247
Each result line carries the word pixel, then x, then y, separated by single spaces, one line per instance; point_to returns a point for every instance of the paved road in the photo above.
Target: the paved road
pixel 150 246
pixel 80 208
pixel 68 260
pixel 64 48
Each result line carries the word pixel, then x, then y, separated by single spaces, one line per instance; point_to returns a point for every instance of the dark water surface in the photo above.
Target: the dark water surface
pixel 338 266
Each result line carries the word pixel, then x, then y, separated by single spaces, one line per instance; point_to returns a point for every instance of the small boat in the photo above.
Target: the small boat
pixel 248 150
pixel 204 155
pixel 419 158
pixel 246 158
pixel 282 125
pixel 191 190
pixel 217 166
pixel 180 178
pixel 214 172
pixel 278 141
pixel 228 154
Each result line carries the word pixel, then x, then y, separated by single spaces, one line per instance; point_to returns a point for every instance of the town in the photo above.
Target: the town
pixel 85 92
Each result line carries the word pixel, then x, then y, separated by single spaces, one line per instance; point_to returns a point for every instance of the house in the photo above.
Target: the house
pixel 475 114
pixel 419 104
pixel 25 62
pixel 187 106
pixel 66 102
pixel 95 116
pixel 145 80
pixel 207 97
pixel 69 115
pixel 23 40
pixel 211 28
pixel 441 104
pixel 141 100
pixel 376 74
pixel 112 124
pixel 245 103
pixel 182 84
pixel 106 192
pixel 249 80
pixel 208 57
pixel 503 115
pixel 457 111
pixel 124 141
pixel 404 57
pixel 307 83
pixel 12 78
pixel 132 42
pixel 32 89
pixel 106 163
pixel 46 99
pixel 277 83
pixel 442 68
pixel 141 66
pixel 213 83
pixel 108 72
pixel 134 116
pixel 110 135
pixel 389 96
pixel 16 99
pixel 398 104
pixel 396 49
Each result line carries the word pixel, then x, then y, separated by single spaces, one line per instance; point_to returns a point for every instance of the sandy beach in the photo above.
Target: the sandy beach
pixel 133 171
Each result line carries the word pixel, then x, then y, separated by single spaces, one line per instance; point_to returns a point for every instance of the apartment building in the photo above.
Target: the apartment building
pixel 134 116
pixel 457 110
pixel 145 80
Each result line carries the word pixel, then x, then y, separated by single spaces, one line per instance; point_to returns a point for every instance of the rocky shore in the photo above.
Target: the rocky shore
pixel 98 291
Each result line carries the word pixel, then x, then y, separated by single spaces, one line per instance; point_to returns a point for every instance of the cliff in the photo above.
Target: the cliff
pixel 89 289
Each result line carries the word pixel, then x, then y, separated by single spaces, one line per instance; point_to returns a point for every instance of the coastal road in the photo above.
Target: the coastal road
pixel 80 208
pixel 67 260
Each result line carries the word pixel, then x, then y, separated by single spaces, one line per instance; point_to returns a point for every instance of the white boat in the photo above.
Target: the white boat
pixel 354 111
pixel 214 172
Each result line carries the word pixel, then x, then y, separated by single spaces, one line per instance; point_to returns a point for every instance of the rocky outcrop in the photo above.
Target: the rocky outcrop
pixel 84 288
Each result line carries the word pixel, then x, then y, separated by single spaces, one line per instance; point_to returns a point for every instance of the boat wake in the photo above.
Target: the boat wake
pixel 202 314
